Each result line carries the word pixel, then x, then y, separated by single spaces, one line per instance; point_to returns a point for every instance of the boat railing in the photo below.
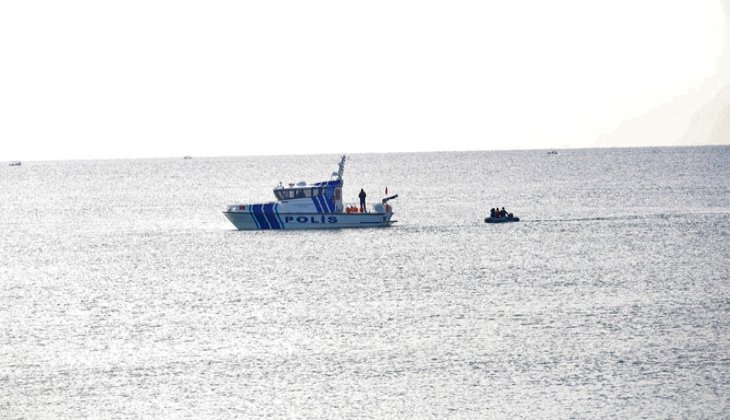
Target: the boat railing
pixel 354 208
pixel 370 208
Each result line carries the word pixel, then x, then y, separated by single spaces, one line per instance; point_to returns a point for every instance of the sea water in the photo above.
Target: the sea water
pixel 125 293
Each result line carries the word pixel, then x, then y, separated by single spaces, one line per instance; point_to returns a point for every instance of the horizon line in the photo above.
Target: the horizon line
pixel 596 147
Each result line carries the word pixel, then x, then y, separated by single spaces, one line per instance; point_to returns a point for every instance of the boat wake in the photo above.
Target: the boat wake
pixel 623 218
pixel 584 219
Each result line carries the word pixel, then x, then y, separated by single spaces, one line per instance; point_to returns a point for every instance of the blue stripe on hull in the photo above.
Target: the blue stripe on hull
pixel 278 217
pixel 329 199
pixel 270 216
pixel 253 217
pixel 323 204
pixel 316 204
pixel 259 216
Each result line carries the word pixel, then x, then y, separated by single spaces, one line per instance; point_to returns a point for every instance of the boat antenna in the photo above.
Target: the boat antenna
pixel 341 170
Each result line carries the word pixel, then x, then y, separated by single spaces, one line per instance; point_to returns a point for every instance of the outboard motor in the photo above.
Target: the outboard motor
pixel 384 207
pixel 386 199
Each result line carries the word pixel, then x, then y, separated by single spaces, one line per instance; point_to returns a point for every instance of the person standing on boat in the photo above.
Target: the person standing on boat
pixel 362 196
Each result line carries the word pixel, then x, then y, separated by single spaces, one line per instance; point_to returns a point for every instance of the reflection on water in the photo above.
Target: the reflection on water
pixel 126 293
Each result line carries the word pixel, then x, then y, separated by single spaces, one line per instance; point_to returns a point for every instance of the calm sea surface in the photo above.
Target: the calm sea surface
pixel 125 293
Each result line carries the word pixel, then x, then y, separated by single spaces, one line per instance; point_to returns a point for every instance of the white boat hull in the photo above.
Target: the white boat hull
pixel 310 206
pixel 244 220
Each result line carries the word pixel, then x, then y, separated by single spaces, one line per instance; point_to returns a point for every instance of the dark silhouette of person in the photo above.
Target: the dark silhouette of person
pixel 362 196
pixel 491 212
pixel 502 212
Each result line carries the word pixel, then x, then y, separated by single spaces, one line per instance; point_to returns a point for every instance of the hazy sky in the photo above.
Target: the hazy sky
pixel 102 79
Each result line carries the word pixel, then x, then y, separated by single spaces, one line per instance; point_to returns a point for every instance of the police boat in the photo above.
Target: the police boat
pixel 310 206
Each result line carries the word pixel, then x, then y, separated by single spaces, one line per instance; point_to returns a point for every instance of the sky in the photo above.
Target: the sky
pixel 138 79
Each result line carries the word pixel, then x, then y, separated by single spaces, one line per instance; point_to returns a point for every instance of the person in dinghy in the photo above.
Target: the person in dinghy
pixel 500 216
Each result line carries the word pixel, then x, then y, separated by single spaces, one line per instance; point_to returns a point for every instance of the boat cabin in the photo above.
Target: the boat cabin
pixel 298 192
pixel 325 196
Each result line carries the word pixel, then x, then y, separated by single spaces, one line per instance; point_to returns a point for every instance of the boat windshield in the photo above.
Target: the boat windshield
pixel 292 193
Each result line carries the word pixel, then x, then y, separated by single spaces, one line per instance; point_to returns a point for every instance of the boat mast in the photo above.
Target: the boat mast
pixel 342 168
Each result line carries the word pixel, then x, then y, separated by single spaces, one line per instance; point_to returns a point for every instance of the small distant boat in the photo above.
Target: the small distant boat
pixel 502 219
pixel 552 152
pixel 187 157
pixel 16 163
